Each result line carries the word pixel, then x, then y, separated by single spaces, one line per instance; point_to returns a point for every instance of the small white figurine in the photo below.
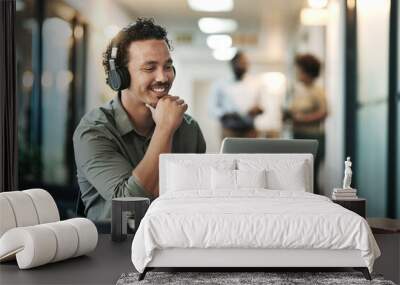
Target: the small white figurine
pixel 347 174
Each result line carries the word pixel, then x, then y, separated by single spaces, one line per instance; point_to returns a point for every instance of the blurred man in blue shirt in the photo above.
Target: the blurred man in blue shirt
pixel 235 102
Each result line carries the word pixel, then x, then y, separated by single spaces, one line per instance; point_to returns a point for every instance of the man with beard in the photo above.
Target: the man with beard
pixel 236 102
pixel 117 146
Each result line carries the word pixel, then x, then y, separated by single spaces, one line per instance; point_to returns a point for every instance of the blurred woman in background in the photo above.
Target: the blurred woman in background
pixel 309 107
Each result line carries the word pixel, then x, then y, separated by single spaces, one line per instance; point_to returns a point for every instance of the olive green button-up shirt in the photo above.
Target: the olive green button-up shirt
pixel 107 149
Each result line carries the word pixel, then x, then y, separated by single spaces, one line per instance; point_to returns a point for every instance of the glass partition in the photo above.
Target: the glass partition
pixel 50 48
pixel 27 37
pixel 56 81
pixel 372 100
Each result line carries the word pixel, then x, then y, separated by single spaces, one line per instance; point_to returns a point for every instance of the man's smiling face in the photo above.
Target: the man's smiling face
pixel 151 70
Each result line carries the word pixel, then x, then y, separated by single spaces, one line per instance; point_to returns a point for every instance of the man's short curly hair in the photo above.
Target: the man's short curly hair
pixel 142 29
pixel 308 63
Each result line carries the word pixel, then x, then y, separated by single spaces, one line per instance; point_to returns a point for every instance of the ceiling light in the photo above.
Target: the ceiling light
pixel 224 54
pixel 217 25
pixel 211 5
pixel 219 41
pixel 317 4
pixel 313 17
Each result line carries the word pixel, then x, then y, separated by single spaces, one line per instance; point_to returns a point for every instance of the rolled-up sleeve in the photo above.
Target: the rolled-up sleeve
pixel 104 167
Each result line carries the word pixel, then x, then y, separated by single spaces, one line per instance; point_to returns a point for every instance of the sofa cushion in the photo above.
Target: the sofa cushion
pixel 45 243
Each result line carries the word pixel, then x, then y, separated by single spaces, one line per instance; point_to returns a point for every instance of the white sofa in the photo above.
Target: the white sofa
pixel 31 231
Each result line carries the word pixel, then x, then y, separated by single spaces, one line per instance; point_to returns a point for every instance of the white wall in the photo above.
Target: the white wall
pixel 209 125
pixel 197 71
pixel 99 14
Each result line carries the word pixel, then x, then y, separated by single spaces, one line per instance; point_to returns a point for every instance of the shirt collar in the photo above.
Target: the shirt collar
pixel 124 124
pixel 122 120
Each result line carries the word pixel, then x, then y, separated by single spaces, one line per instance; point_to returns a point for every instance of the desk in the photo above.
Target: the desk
pixel 102 266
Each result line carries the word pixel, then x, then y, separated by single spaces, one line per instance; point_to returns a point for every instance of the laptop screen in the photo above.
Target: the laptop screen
pixel 259 145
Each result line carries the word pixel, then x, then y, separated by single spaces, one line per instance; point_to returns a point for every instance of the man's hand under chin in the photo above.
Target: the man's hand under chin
pixel 168 113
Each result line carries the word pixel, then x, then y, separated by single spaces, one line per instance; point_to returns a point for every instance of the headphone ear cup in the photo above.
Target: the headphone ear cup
pixel 114 80
pixel 119 79
pixel 125 78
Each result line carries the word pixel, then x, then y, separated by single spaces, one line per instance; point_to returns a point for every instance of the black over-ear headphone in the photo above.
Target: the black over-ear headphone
pixel 118 77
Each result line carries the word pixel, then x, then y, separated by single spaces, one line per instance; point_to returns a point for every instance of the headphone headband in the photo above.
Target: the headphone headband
pixel 114 51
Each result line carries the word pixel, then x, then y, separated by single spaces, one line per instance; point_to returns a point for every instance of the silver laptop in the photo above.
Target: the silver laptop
pixel 258 145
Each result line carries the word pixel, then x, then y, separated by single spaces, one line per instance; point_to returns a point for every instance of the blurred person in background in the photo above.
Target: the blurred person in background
pixel 117 146
pixel 236 102
pixel 308 108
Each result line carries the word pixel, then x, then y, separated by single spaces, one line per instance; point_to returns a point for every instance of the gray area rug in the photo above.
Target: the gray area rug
pixel 226 278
